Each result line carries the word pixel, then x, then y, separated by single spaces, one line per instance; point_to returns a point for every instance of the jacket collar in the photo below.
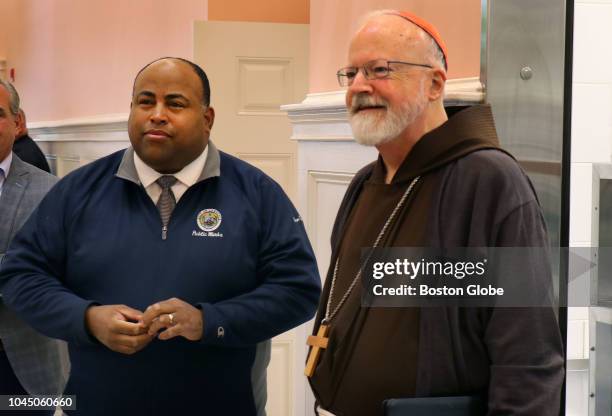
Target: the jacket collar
pixel 212 167
pixel 17 169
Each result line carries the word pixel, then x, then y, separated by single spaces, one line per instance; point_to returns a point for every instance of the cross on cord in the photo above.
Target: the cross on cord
pixel 318 343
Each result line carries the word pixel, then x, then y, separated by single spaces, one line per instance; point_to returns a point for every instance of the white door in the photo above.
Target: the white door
pixel 253 69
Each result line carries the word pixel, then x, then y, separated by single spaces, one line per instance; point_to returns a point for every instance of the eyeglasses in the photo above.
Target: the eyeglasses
pixel 377 69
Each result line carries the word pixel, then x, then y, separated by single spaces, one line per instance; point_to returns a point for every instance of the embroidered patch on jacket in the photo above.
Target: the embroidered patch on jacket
pixel 209 219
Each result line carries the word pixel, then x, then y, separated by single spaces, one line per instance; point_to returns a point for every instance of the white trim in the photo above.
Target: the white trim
pixel 71 143
pixel 76 126
pixel 322 116
pixel 319 101
pixel 464 91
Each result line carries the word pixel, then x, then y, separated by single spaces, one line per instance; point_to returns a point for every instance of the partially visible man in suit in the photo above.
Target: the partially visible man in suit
pixel 29 362
pixel 26 148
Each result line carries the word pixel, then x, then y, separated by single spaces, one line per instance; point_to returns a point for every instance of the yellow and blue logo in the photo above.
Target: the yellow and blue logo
pixel 209 219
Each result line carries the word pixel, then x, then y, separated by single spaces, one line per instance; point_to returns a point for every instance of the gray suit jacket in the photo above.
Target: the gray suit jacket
pixel 40 363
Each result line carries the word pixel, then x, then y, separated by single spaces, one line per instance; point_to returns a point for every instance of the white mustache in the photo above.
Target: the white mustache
pixel 364 101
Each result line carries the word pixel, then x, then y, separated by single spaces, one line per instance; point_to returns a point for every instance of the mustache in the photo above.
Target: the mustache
pixel 361 101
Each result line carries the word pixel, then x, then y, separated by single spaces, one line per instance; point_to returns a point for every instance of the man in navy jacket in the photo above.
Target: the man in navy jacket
pixel 167 267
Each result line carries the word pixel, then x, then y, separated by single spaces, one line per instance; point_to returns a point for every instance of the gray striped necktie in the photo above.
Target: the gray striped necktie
pixel 166 202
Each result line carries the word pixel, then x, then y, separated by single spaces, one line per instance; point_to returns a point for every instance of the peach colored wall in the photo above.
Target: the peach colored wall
pixel 275 11
pixel 7 9
pixel 76 58
pixel 332 24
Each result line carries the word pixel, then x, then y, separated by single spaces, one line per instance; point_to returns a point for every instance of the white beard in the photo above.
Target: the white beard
pixel 375 127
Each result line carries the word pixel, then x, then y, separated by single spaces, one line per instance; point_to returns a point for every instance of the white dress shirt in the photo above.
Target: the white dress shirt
pixel 5 166
pixel 186 176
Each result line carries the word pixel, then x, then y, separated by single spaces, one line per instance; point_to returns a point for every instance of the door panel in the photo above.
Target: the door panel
pixel 254 68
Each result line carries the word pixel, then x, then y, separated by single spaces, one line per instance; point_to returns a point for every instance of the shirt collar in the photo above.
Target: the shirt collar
pixel 188 175
pixel 5 165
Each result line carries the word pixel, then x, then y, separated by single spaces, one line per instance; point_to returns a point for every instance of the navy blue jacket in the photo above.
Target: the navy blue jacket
pixel 96 239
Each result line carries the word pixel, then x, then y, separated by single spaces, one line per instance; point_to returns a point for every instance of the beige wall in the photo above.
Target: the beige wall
pixel 275 11
pixel 333 22
pixel 76 58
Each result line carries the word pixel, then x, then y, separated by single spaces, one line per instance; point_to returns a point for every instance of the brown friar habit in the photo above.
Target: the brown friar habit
pixel 471 194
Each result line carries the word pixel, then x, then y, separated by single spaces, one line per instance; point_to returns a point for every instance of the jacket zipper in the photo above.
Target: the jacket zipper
pixel 164 232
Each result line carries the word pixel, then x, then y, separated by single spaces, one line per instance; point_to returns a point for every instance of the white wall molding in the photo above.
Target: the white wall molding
pixel 464 91
pixel 69 144
pixel 73 129
pixel 323 116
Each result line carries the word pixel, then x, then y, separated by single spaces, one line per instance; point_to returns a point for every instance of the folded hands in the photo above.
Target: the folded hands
pixel 128 330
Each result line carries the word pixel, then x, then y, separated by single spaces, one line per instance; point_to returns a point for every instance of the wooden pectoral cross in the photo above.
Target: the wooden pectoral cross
pixel 318 343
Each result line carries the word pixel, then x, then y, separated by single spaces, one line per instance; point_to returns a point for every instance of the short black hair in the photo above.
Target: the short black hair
pixel 196 68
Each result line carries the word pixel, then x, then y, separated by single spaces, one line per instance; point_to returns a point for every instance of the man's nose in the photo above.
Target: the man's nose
pixel 360 84
pixel 159 114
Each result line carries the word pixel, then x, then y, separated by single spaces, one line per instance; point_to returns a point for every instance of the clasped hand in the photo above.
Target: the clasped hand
pixel 128 330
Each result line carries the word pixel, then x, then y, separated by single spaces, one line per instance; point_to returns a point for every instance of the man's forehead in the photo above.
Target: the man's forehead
pixel 392 26
pixel 387 33
pixel 168 70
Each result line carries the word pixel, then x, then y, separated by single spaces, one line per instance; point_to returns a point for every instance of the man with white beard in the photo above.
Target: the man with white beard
pixel 438 182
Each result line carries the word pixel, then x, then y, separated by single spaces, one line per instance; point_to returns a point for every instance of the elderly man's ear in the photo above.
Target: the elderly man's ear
pixel 436 85
pixel 21 124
